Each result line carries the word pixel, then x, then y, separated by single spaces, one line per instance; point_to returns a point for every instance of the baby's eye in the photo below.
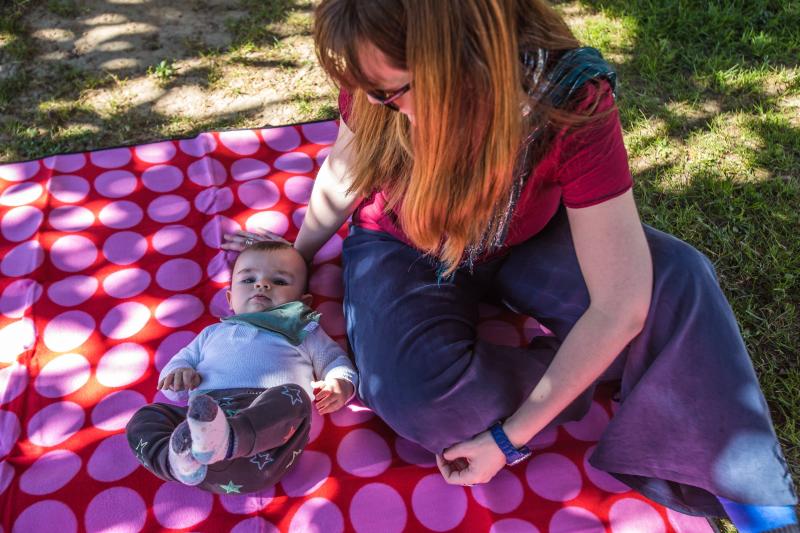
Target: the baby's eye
pixel 280 282
pixel 247 280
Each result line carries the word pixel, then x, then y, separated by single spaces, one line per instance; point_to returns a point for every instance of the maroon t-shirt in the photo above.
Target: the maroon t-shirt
pixel 584 167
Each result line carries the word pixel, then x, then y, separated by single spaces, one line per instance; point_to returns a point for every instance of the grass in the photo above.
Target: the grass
pixel 714 141
pixel 709 99
pixel 267 22
pixel 59 103
pixel 164 71
pixel 14 42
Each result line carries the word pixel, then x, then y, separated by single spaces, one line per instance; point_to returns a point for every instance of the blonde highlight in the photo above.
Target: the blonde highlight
pixel 449 175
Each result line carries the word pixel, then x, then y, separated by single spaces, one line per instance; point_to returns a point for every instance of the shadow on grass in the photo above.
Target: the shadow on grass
pixel 731 64
pixel 49 64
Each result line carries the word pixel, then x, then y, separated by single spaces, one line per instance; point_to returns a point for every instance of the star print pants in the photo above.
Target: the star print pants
pixel 270 428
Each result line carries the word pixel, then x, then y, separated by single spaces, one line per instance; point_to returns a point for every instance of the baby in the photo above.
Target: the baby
pixel 249 380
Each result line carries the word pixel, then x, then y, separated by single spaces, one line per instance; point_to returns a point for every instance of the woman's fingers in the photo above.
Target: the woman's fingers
pixel 448 468
pixel 260 235
pixel 457 471
pixel 241 239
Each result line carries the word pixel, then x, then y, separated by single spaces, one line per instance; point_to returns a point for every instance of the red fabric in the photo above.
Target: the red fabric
pixel 583 168
pixel 110 264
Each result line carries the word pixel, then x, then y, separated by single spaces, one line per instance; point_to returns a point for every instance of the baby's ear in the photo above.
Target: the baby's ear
pixel 306 299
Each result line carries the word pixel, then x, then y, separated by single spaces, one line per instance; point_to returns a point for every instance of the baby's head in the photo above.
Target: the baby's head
pixel 265 275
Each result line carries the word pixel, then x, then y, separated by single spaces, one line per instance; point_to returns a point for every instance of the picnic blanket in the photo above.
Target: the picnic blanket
pixel 110 264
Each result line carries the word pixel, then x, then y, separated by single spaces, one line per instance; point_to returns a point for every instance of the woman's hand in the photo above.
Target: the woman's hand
pixel 180 379
pixel 332 394
pixel 239 240
pixel 477 460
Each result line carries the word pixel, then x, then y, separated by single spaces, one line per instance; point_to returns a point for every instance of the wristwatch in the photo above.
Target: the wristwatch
pixel 513 455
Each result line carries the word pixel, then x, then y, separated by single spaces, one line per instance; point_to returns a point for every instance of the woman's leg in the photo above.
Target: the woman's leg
pixel 422 368
pixel 693 422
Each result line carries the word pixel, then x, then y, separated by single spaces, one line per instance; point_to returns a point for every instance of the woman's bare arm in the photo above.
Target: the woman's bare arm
pixel 330 204
pixel 328 208
pixel 617 267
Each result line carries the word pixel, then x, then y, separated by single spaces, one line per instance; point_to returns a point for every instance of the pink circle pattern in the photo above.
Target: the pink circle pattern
pixel 363 453
pixel 63 375
pixel 117 509
pixel 42 515
pixel 18 297
pixel 378 507
pixel 439 506
pixel 68 189
pixel 177 506
pixel 112 460
pixel 120 215
pixel 50 472
pixel 20 223
pixel 99 302
pixel 21 194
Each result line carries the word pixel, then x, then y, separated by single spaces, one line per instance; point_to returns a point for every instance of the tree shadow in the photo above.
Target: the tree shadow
pixel 701 72
pixel 73 49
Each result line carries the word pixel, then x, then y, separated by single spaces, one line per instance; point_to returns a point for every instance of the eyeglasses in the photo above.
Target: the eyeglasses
pixel 388 98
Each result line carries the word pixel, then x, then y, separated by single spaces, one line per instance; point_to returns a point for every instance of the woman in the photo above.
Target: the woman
pixel 481 155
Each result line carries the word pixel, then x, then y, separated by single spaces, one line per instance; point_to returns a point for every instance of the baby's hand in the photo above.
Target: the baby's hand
pixel 331 395
pixel 180 379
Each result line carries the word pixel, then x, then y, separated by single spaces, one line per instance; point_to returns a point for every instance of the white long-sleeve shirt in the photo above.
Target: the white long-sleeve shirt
pixel 230 355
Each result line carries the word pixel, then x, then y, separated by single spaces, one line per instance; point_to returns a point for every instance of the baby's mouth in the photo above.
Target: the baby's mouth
pixel 261 298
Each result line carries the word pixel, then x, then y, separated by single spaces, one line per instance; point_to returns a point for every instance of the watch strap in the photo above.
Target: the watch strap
pixel 513 455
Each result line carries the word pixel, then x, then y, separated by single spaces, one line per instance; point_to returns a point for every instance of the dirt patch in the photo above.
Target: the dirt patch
pixel 107 72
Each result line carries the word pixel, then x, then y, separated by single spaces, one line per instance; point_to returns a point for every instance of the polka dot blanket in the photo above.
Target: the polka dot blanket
pixel 111 263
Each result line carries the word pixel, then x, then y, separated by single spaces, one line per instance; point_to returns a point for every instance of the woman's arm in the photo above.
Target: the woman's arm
pixel 330 204
pixel 616 265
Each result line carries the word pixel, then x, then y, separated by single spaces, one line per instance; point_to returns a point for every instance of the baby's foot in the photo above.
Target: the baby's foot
pixel 181 463
pixel 210 429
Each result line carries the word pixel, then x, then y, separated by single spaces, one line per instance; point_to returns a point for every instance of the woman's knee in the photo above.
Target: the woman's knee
pixel 412 418
pixel 403 399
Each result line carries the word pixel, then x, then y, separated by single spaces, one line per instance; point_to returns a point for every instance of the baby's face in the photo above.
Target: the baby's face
pixel 263 279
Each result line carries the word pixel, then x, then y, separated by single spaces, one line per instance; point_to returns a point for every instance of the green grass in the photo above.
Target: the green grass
pixel 64 8
pixel 267 22
pixel 61 105
pixel 15 44
pixel 708 99
pixel 715 151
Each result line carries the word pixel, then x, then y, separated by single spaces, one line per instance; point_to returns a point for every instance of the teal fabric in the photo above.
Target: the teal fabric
pixel 575 68
pixel 293 320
